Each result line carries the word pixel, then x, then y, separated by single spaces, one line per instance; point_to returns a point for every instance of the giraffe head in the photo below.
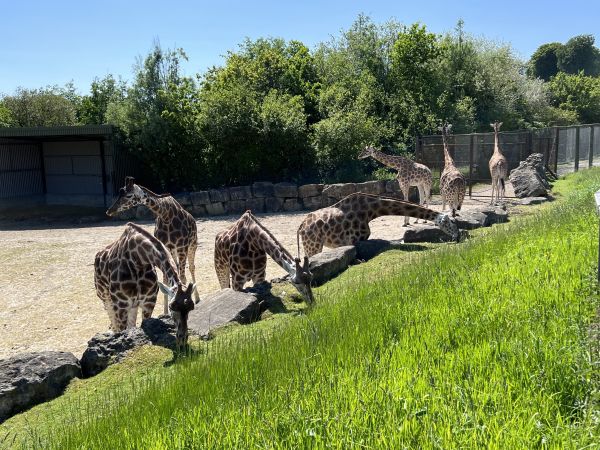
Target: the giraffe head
pixel 301 279
pixel 448 225
pixel 496 126
pixel 129 196
pixel 366 152
pixel 445 128
pixel 180 304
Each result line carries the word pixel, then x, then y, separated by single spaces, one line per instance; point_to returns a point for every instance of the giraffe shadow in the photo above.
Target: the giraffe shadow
pixel 160 331
pixel 267 300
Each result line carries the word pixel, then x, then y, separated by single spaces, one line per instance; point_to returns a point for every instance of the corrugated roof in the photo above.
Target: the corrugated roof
pixel 79 130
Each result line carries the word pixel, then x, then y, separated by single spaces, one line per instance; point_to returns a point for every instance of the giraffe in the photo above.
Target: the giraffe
pixel 175 227
pixel 498 166
pixel 241 255
pixel 125 280
pixel 347 221
pixel 410 173
pixel 452 183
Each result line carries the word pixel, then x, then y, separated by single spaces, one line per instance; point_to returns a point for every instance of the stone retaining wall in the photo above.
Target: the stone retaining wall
pixel 266 197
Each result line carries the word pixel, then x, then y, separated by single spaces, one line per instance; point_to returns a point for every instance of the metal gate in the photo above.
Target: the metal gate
pixel 21 170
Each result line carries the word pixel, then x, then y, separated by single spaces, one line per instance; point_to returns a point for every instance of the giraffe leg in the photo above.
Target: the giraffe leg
pixel 191 257
pixel 422 199
pixel 119 315
pixel 405 190
pixel 494 182
pixel 132 316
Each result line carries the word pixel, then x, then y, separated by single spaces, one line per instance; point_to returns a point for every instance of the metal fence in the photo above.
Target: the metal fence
pixel 565 149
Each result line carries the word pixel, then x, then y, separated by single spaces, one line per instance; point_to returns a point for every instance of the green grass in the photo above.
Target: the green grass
pixel 484 344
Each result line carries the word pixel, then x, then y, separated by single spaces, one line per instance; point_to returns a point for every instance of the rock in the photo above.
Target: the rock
pixel 223 307
pixel 219 195
pixel 392 186
pixel 529 179
pixel 128 214
pixel 371 187
pixel 199 210
pixel 425 233
pixel 493 214
pixel 235 206
pixel 215 209
pixel 339 191
pixel 329 263
pixel 310 190
pixel 470 220
pixel 31 378
pixel 183 199
pixel 108 348
pixel 312 203
pixel 273 204
pixel 291 204
pixel 533 200
pixel 240 192
pixel 370 248
pixel 327 201
pixel 262 189
pixel 286 190
pixel 256 205
pixel 143 213
pixel 200 198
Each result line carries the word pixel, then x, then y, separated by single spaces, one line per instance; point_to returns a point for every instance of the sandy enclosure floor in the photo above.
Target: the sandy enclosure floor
pixel 46 273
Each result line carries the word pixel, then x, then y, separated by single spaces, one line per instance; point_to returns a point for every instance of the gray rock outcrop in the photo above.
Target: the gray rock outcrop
pixel 31 378
pixel 222 307
pixel 329 263
pixel 529 179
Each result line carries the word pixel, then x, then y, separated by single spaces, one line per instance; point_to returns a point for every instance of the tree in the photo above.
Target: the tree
pixel 579 54
pixel 578 94
pixel 544 61
pixel 46 107
pixel 6 119
pixel 94 106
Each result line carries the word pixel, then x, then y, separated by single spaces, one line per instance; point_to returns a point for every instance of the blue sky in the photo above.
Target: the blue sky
pixel 45 43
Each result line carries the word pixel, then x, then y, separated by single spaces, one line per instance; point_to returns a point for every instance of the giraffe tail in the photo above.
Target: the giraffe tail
pixel 502 183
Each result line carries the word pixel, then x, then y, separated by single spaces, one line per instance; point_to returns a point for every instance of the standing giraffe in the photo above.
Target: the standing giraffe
pixel 452 183
pixel 410 173
pixel 241 256
pixel 498 166
pixel 175 227
pixel 347 221
pixel 125 280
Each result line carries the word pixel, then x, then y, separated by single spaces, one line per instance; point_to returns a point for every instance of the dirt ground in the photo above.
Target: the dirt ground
pixel 46 274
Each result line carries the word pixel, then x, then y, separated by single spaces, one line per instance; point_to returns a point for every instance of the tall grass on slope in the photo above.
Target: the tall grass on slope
pixel 478 345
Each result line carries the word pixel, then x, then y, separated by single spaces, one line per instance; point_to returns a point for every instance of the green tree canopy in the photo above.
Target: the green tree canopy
pixel 579 54
pixel 44 107
pixel 544 61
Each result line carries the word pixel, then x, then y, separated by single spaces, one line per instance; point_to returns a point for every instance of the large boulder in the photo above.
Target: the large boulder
pixel 310 190
pixel 183 199
pixel 425 233
pixel 256 205
pixel 493 214
pixel 108 348
pixel 215 209
pixel 312 203
pixel 370 248
pixel 533 200
pixel 200 198
pixel 222 307
pixel 371 187
pixel 219 195
pixel 329 263
pixel 31 378
pixel 286 190
pixel 339 191
pixel 291 204
pixel 273 204
pixel 262 189
pixel 235 206
pixel 240 192
pixel 529 179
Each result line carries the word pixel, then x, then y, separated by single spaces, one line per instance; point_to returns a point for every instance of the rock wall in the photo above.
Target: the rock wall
pixel 266 197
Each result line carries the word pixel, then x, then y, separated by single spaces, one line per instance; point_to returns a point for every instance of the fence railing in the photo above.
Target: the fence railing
pixel 565 149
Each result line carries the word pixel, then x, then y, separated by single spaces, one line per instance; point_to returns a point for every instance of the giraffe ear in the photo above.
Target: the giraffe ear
pixel 166 290
pixel 129 181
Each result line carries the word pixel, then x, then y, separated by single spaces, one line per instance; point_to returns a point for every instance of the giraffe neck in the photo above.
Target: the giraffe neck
pixel 393 161
pixel 156 254
pixel 448 161
pixel 497 151
pixel 267 243
pixel 379 206
pixel 158 205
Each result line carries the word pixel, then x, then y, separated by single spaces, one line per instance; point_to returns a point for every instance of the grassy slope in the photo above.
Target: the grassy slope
pixel 482 344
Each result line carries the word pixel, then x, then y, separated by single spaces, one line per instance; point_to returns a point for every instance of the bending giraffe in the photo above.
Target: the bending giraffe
pixel 452 183
pixel 498 166
pixel 347 221
pixel 410 173
pixel 175 227
pixel 125 280
pixel 241 256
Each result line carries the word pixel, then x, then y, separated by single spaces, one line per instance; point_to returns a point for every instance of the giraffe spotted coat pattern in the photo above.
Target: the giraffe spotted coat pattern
pixel 498 166
pixel 241 256
pixel 347 221
pixel 125 280
pixel 174 227
pixel 410 173
pixel 453 185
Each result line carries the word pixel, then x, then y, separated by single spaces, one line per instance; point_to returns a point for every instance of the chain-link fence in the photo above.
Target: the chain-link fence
pixel 565 149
